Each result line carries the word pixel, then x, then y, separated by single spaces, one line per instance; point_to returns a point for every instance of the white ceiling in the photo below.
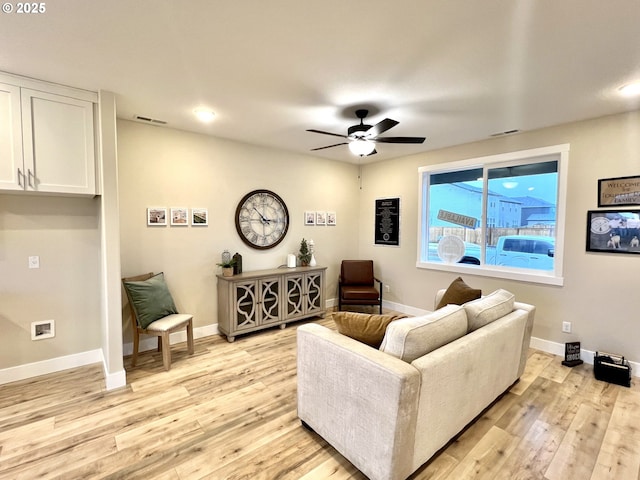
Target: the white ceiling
pixel 454 71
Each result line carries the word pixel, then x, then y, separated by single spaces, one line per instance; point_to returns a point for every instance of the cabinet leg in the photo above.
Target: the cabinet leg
pixel 230 339
pixel 282 326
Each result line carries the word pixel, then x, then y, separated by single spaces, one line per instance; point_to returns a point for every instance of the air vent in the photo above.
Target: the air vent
pixel 506 132
pixel 154 121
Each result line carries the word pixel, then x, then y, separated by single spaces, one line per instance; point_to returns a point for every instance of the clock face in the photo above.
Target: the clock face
pixel 262 219
pixel 600 225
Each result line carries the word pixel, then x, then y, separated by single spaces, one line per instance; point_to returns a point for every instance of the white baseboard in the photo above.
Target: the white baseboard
pixel 586 355
pixel 29 370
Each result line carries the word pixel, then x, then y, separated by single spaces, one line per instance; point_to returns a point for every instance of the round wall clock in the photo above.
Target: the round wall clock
pixel 262 219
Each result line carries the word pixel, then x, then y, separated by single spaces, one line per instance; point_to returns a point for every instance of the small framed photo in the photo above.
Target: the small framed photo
pixel 179 216
pixel 309 218
pixel 331 219
pixel 157 216
pixel 613 231
pixel 199 217
pixel 44 329
pixel 321 218
pixel 616 192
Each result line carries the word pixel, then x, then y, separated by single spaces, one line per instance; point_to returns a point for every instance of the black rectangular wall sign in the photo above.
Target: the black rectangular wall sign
pixel 387 222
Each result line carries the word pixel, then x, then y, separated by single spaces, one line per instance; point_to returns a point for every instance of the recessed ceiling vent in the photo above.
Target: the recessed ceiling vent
pixel 153 121
pixel 506 132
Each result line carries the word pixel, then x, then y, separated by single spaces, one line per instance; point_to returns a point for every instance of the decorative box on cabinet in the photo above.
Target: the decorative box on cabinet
pixel 48 143
pixel 260 299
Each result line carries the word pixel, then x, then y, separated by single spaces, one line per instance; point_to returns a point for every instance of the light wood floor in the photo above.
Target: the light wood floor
pixel 229 412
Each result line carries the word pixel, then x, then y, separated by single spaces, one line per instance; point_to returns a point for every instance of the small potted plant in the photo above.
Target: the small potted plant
pixel 304 255
pixel 227 267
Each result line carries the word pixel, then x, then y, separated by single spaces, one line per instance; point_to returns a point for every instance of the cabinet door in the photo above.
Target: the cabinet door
pixel 245 301
pixel 295 295
pixel 58 143
pixel 314 290
pixel 270 300
pixel 10 139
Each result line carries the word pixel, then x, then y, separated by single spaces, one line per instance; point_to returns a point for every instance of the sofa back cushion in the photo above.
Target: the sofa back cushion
pixel 489 308
pixel 411 338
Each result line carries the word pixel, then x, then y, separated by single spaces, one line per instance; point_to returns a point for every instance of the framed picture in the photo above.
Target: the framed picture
pixel 199 217
pixel 619 191
pixel 331 219
pixel 309 218
pixel 387 221
pixel 180 216
pixel 321 218
pixel 157 216
pixel 613 231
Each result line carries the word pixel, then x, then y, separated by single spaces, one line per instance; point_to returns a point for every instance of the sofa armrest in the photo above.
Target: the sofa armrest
pixel 360 400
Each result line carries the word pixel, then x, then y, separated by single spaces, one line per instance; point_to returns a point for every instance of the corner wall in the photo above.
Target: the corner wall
pixel 598 295
pixel 162 167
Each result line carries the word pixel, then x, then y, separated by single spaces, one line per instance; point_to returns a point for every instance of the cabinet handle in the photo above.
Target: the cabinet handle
pixel 29 177
pixel 20 178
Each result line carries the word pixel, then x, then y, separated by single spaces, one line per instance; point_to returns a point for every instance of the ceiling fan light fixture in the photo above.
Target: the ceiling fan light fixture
pixel 630 90
pixel 361 147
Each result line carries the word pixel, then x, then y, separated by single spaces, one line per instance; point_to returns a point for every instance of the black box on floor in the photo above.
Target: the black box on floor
pixel 612 368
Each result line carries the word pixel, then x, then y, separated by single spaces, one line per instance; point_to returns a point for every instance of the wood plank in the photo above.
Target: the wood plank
pixel 579 448
pixel 619 455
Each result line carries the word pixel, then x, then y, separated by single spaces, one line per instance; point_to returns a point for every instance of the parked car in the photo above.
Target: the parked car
pixel 521 251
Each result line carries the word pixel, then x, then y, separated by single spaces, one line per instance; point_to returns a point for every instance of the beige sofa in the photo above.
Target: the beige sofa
pixel 388 416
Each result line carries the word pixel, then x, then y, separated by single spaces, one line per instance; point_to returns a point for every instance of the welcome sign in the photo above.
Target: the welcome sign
pixel 619 191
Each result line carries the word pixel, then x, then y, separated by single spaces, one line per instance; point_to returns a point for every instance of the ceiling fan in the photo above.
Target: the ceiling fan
pixel 362 138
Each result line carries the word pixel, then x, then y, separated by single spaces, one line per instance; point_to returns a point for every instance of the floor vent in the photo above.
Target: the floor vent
pixel 154 121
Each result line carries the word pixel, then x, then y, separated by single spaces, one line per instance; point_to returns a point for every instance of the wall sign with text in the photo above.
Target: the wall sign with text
pixel 619 191
pixel 387 222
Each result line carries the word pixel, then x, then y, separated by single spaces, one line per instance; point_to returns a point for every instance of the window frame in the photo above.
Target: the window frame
pixel 554 152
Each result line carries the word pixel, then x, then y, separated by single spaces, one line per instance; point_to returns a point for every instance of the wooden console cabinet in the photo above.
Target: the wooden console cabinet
pixel 260 299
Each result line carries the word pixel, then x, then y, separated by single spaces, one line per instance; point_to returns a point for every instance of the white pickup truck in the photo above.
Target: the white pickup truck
pixel 521 251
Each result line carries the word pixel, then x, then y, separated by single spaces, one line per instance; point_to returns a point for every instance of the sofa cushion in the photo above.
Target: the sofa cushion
pixel 411 338
pixel 363 327
pixel 458 293
pixel 485 310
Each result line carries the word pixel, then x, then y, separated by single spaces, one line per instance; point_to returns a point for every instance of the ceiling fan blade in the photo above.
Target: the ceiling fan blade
pixel 399 140
pixel 327 133
pixel 381 127
pixel 329 146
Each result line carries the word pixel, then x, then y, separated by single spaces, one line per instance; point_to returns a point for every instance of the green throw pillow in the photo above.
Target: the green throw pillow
pixel 458 293
pixel 363 327
pixel 150 299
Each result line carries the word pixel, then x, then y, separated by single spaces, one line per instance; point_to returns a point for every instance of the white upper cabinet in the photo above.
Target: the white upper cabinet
pixel 57 134
pixel 11 165
pixel 48 145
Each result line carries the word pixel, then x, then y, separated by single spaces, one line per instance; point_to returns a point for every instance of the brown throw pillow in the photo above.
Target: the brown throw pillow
pixel 459 293
pixel 369 329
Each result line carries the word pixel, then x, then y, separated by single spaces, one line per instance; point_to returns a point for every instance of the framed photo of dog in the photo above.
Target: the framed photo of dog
pixel 613 231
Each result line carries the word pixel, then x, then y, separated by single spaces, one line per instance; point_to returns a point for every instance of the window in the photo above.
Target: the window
pixel 507 209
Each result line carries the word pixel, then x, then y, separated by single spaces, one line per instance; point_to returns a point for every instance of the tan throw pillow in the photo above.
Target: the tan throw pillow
pixel 489 308
pixel 411 338
pixel 458 293
pixel 363 327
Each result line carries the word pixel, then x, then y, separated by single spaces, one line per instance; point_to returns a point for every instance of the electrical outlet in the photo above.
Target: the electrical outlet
pixel 566 327
pixel 34 261
pixel 387 288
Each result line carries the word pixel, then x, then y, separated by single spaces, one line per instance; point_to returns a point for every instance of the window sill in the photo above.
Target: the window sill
pixel 544 278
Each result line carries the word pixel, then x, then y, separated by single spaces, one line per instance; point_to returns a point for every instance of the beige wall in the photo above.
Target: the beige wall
pixel 66 288
pixel 599 294
pixel 164 167
pixel 168 168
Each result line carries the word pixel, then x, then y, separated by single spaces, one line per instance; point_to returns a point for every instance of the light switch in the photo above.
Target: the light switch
pixel 34 261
